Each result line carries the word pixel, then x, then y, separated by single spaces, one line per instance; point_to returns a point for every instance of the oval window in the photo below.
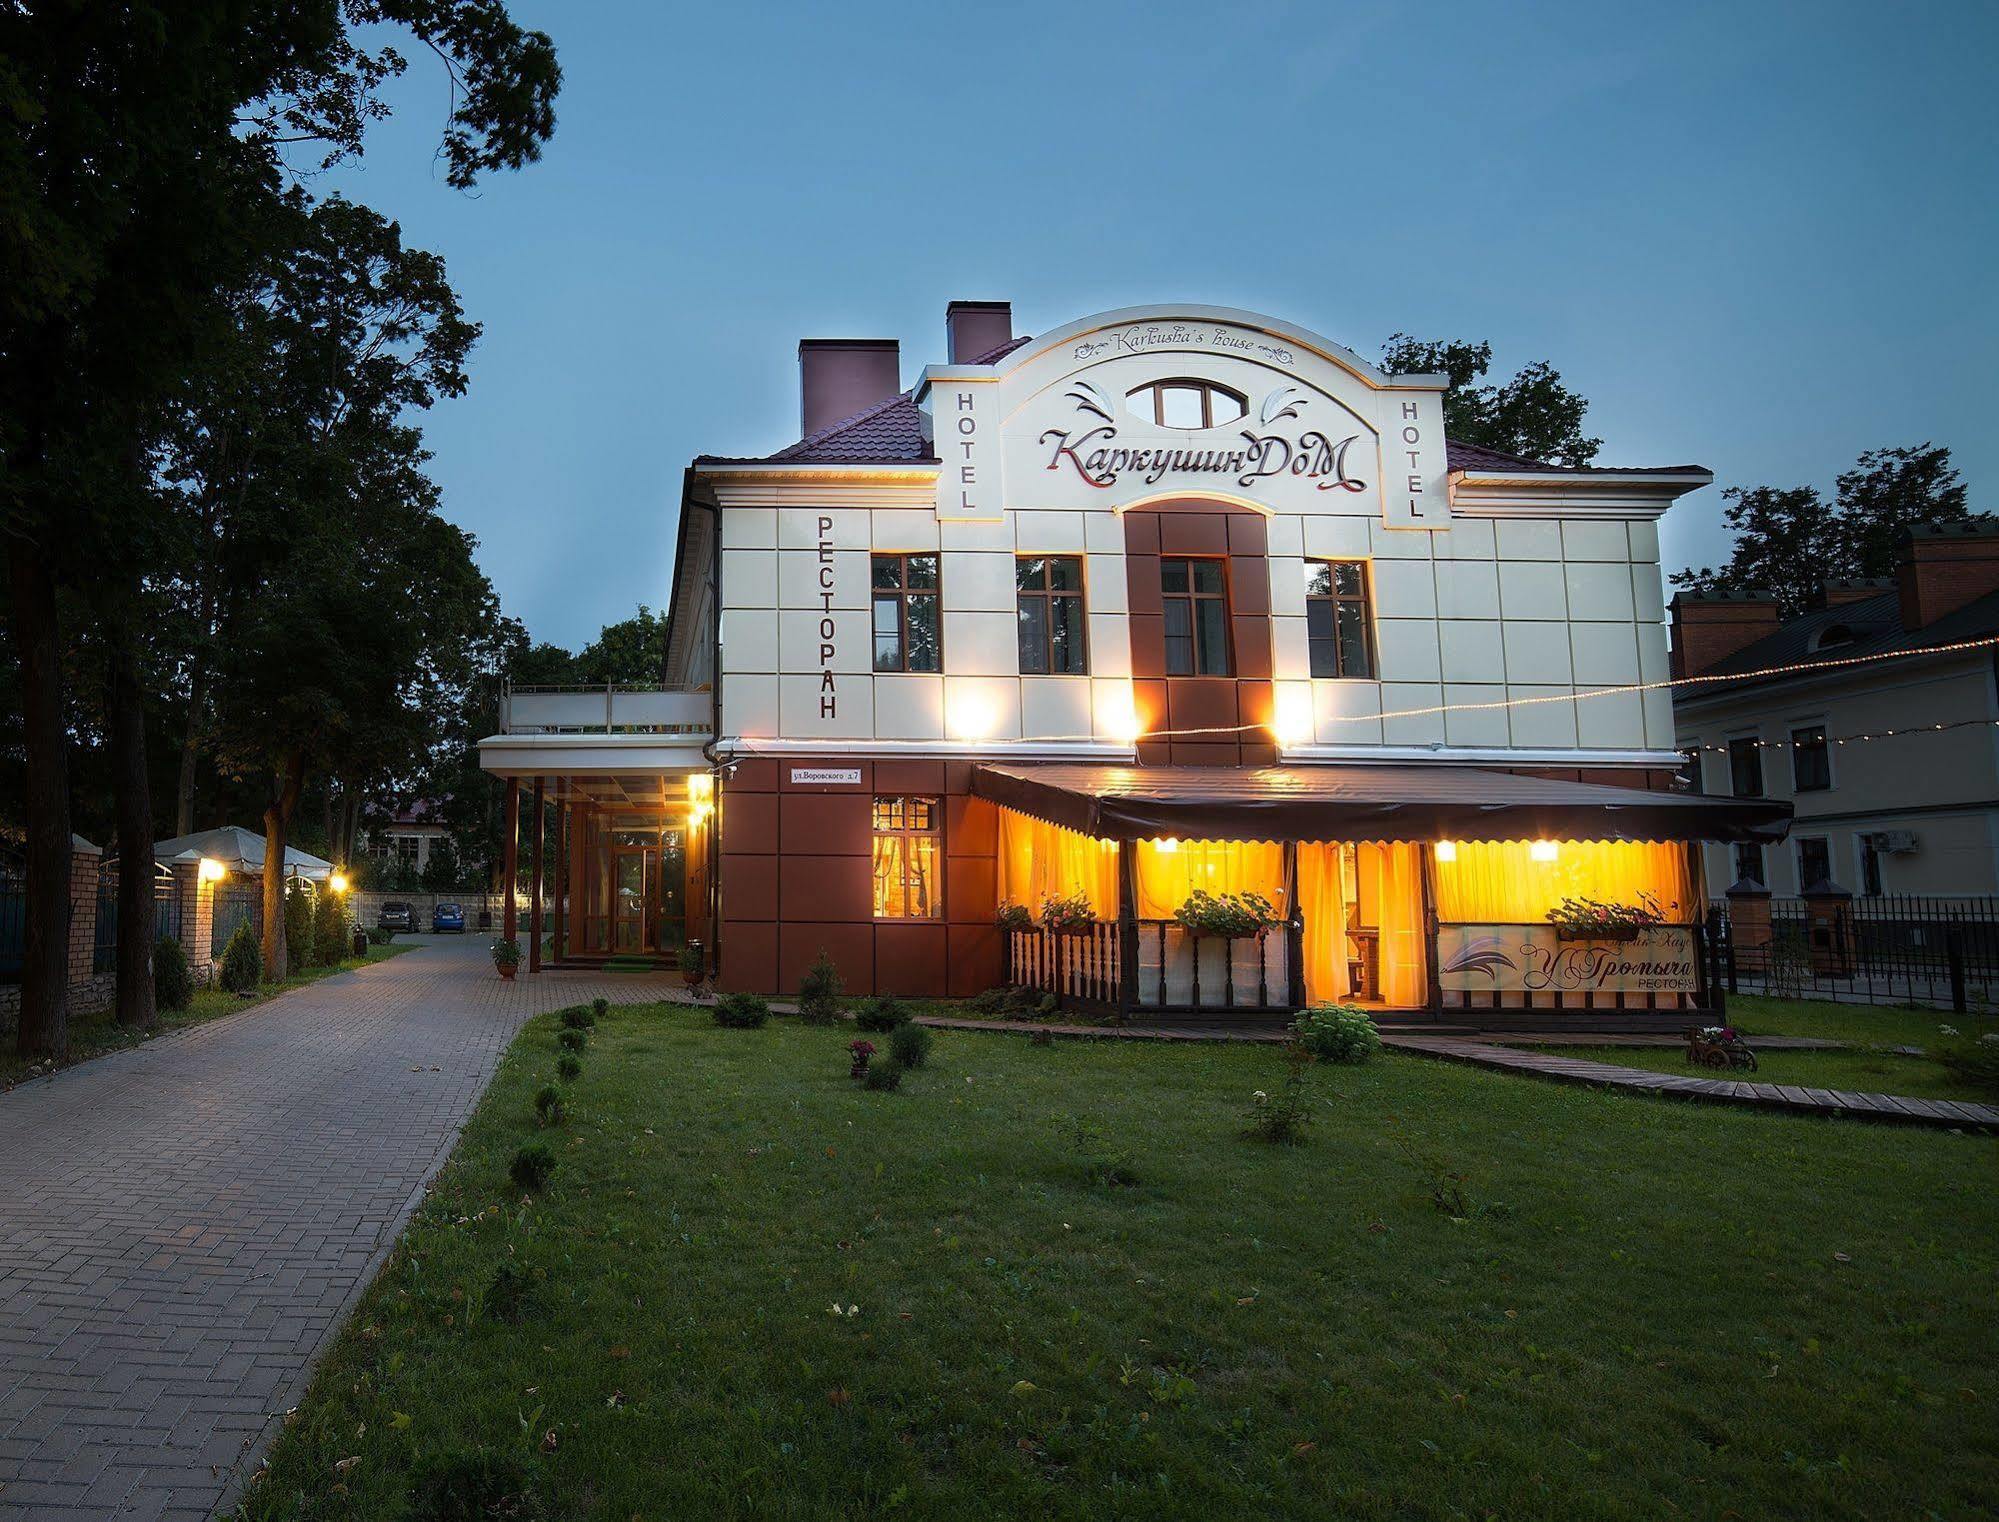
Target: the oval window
pixel 1189 404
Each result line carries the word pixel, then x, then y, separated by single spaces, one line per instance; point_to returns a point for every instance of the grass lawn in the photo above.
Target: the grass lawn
pixel 94 1034
pixel 1862 1024
pixel 757 1290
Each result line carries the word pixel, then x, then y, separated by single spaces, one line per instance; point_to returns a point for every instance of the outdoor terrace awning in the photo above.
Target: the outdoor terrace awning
pixel 1363 803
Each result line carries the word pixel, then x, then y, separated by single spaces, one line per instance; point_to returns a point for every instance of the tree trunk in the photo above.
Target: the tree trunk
pixel 277 832
pixel 133 801
pixel 190 750
pixel 44 1026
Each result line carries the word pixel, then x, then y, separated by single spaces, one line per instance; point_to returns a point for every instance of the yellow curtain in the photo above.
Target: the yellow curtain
pixel 1395 869
pixel 1322 899
pixel 1038 861
pixel 1169 870
pixel 1499 882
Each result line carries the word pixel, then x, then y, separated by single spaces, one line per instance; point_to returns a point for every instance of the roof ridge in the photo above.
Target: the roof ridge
pixel 873 409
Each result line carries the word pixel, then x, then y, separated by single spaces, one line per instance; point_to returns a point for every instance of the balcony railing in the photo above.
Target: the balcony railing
pixel 1156 967
pixel 612 709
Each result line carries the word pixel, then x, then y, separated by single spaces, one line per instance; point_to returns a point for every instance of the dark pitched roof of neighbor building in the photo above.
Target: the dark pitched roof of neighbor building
pixel 890 432
pixel 1871 626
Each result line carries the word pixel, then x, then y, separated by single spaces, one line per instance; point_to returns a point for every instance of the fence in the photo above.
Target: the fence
pixel 1165 970
pixel 13 928
pixel 236 903
pixel 166 915
pixel 1886 949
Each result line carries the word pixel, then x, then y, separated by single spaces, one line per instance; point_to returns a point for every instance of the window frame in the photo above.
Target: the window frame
pixel 1193 599
pixel 1824 842
pixel 1798 785
pixel 932 831
pixel 1762 867
pixel 1693 768
pixel 1208 389
pixel 1047 595
pixel 1336 600
pixel 901 594
pixel 1754 742
pixel 1869 856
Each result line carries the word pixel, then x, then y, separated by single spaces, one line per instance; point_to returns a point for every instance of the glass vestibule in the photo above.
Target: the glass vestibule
pixel 630 896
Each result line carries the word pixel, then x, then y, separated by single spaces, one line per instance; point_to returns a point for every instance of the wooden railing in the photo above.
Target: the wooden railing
pixel 1159 967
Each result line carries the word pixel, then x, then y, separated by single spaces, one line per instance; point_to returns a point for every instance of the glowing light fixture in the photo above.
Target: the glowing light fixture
pixel 1292 721
pixel 1544 850
pixel 337 882
pixel 1118 719
pixel 1167 846
pixel 211 870
pixel 700 787
pixel 973 714
pixel 1447 850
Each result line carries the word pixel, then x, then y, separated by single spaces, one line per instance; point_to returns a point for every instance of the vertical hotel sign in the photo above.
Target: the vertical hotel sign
pixel 1415 490
pixel 965 417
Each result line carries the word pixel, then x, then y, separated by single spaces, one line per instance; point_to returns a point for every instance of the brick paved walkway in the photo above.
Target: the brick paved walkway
pixel 183 1225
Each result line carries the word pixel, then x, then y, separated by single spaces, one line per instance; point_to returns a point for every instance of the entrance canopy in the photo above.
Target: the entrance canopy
pixel 1362 803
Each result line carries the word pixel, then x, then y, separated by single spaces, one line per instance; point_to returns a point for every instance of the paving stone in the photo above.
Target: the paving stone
pixel 187 1221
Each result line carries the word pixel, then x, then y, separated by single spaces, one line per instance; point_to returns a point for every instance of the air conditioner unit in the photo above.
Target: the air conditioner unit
pixel 1894 842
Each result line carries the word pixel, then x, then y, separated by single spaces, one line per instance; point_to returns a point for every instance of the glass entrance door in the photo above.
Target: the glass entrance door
pixel 632 878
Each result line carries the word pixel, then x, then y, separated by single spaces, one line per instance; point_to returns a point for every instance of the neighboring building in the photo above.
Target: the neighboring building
pixel 1169 598
pixel 1912 812
pixel 408 836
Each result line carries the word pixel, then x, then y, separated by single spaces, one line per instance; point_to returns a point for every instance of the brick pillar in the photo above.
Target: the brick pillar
pixel 197 918
pixel 1749 925
pixel 86 866
pixel 1829 908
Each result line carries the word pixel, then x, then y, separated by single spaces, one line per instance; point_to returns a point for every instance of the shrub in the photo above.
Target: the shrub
pixel 573 1040
pixel 470 1485
pixel 991 1001
pixel 298 926
pixel 691 960
pixel 329 928
pixel 1014 917
pixel 1975 1063
pixel 173 983
pixel 242 961
pixel 741 1012
pixel 881 1012
pixel 1105 1158
pixel 819 991
pixel 1067 913
pixel 886 1076
pixel 1232 916
pixel 1337 1033
pixel 568 1068
pixel 1282 1117
pixel 909 1045
pixel 381 935
pixel 548 1105
pixel 599 1007
pixel 578 1017
pixel 513 1295
pixel 532 1166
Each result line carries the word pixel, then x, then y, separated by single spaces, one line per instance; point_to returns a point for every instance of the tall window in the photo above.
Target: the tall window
pixel 1748 862
pixel 908 859
pixel 1745 767
pixel 908 625
pixel 1870 867
pixel 1336 618
pixel 1052 641
pixel 1811 766
pixel 1814 861
pixel 1186 404
pixel 1690 776
pixel 1196 602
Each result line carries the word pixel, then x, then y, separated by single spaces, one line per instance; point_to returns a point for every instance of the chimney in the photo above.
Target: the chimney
pixel 1839 593
pixel 1709 628
pixel 838 377
pixel 1946 565
pixel 972 328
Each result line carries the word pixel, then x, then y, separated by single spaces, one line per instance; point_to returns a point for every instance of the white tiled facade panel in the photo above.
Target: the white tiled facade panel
pixel 1486 612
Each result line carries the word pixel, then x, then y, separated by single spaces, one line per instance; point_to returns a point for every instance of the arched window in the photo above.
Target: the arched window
pixel 1186 404
pixel 1831 635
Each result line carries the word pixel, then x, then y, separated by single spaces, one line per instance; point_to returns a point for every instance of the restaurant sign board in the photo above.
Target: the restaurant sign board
pixel 1535 959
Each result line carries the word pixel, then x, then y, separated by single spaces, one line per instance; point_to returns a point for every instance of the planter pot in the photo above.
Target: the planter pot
pixel 506 971
pixel 691 979
pixel 1070 932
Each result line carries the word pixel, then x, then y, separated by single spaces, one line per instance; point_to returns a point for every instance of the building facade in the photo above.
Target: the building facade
pixel 1881 729
pixel 1168 599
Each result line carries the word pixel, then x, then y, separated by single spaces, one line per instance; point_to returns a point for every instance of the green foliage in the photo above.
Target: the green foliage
pixel 1014 917
pixel 691 960
pixel 506 953
pixel 1229 915
pixel 883 1076
pixel 442 871
pixel 1533 415
pixel 299 943
pixel 242 961
pixel 578 1017
pixel 881 1012
pixel 329 928
pixel 380 935
pixel 741 1011
pixel 1790 541
pixel 1973 1063
pixel 513 1294
pixel 568 1068
pixel 472 1485
pixel 549 1106
pixel 1067 912
pixel 173 981
pixel 573 1038
pixel 819 991
pixel 1337 1033
pixel 1106 1157
pixel 1282 1117
pixel 532 1167
pixel 909 1045
pixel 599 1007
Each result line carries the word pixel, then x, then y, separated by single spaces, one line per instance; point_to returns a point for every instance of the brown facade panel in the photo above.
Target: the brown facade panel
pixel 749 887
pixel 912 958
pixel 749 952
pixel 971 889
pixel 1193 533
pixel 971 825
pixel 756 774
pixel 975 954
pixel 909 777
pixel 852 948
pixel 749 822
pixel 826 824
pixel 1248 535
pixel 824 888
pixel 1141 577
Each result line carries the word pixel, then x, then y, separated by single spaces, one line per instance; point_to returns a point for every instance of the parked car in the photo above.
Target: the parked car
pixel 447 919
pixel 396 916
